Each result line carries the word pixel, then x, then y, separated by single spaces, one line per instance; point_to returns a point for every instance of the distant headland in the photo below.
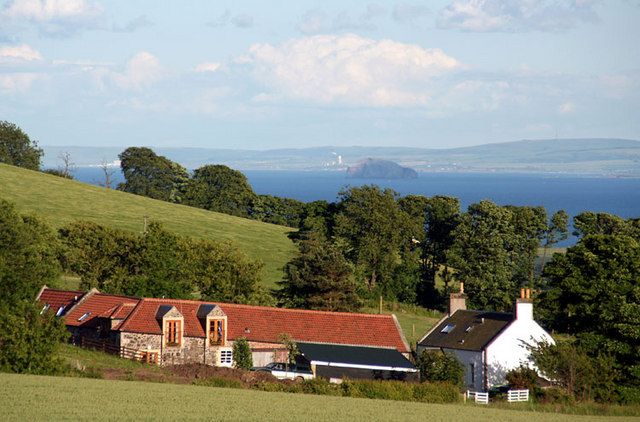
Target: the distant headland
pixel 373 168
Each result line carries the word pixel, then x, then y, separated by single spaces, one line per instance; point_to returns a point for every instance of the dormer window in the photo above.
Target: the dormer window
pixel 174 335
pixel 216 332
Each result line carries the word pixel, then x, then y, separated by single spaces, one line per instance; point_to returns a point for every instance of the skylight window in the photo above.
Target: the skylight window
pixel 45 308
pixel 448 328
pixel 84 316
pixel 60 311
pixel 469 328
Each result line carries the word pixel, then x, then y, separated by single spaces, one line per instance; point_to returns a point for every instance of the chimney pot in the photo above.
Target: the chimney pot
pixel 461 287
pixel 521 293
pixel 528 292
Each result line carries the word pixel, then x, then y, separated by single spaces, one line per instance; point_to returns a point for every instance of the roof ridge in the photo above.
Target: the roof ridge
pixel 123 296
pixel 221 304
pixel 64 290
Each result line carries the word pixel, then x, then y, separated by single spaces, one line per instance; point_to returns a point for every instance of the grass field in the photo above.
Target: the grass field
pixel 61 201
pixel 28 397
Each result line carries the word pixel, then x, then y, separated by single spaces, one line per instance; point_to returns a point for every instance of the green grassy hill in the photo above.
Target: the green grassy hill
pixel 61 201
pixel 28 397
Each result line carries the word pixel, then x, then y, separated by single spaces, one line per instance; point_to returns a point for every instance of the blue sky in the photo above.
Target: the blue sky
pixel 261 75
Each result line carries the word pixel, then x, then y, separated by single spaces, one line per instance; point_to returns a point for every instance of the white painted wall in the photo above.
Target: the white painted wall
pixel 467 358
pixel 508 350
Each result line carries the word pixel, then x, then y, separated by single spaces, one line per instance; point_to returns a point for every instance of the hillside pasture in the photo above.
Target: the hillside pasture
pixel 61 201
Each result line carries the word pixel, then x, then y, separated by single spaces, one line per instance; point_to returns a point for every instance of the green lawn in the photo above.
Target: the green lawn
pixel 61 201
pixel 28 397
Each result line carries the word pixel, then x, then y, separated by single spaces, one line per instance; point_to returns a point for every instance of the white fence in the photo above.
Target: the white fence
pixel 478 397
pixel 517 395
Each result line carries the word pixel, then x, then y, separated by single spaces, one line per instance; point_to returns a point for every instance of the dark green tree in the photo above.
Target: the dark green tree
pixel 222 272
pixel 371 230
pixel 277 210
pixel 152 175
pixel 28 255
pixel 222 189
pixel 557 231
pixel 588 222
pixel 318 278
pixel 596 288
pixel 17 149
pixel 30 339
pixel 242 356
pixel 435 366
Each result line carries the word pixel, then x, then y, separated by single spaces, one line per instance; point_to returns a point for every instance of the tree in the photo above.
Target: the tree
pixel 291 346
pixel 242 356
pixel 318 278
pixel 557 231
pixel 222 272
pixel 276 210
pixel 68 166
pixel 370 229
pixel 30 339
pixel 596 285
pixel 28 255
pixel 108 173
pixel 494 252
pixel 588 222
pixel 222 189
pixel 435 365
pixel 17 149
pixel 152 175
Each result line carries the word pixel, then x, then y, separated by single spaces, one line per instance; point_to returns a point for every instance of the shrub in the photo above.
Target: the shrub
pixel 522 377
pixel 320 386
pixel 242 356
pixel 438 392
pixel 554 395
pixel 436 366
pixel 219 382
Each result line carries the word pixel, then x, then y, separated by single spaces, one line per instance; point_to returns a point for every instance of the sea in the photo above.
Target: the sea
pixel 574 194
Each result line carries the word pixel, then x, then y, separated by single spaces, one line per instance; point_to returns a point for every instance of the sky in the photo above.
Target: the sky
pixel 292 74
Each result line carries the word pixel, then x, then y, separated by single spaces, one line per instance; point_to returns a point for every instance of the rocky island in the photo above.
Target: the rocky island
pixel 373 168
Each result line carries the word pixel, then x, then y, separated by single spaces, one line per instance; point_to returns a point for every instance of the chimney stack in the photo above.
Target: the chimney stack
pixel 524 305
pixel 457 300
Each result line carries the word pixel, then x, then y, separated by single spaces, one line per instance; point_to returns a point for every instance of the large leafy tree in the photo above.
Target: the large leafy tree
pixel 17 149
pixel 596 289
pixel 28 255
pixel 277 210
pixel 589 222
pixel 371 230
pixel 222 272
pixel 152 175
pixel 28 259
pixel 220 188
pixel 494 251
pixel 318 278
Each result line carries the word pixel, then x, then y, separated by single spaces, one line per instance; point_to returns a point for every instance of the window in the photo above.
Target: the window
pixel 472 372
pixel 173 333
pixel 448 328
pixel 45 308
pixel 216 332
pixel 226 357
pixel 84 316
pixel 60 311
pixel 469 328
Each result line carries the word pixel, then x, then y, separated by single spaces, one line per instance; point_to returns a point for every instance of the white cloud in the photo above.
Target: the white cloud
pixel 349 70
pixel 516 15
pixel 19 53
pixel 207 67
pixel 566 107
pixel 141 71
pixel 12 83
pixel 55 17
pixel 315 21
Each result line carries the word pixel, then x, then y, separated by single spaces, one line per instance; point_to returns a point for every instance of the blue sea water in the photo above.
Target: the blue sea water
pixel 574 194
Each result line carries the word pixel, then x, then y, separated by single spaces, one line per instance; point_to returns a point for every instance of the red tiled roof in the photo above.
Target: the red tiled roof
pixel 56 298
pixel 264 324
pixel 98 305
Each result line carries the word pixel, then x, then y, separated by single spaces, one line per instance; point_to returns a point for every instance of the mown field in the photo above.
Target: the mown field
pixel 61 201
pixel 28 397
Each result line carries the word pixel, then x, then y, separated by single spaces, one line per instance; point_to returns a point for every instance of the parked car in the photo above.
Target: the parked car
pixel 289 371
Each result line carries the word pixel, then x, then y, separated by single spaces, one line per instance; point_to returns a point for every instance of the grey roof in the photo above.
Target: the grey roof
pixel 467 330
pixel 354 355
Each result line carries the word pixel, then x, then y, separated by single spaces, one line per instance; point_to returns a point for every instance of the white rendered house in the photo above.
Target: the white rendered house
pixel 488 344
